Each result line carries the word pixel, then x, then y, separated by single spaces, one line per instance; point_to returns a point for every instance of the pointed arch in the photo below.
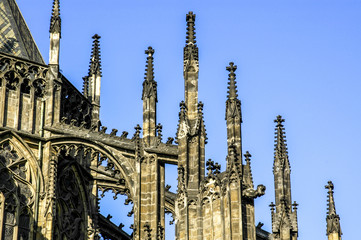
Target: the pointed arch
pixel 17 186
pixel 118 161
pixel 23 149
pixel 72 204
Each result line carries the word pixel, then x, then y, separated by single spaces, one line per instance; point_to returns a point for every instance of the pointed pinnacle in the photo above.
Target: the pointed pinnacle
pixel 182 106
pixel 200 107
pixel 247 157
pixel 232 87
pixel 55 21
pixel 95 61
pixel 280 138
pixel 331 201
pixel 149 74
pixel 191 37
pixel 86 86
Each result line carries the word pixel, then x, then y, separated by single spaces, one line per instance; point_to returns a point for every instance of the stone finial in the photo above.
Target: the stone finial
pixel 233 104
pixel 114 132
pixel 103 129
pixel 55 21
pixel 191 34
pixel 149 70
pixel 183 107
pixel 210 166
pixel 232 88
pixel 331 203
pixel 200 107
pixel 95 61
pixel 281 154
pixel 86 86
pixel 191 49
pixel 248 157
pixel 170 141
pixel 149 85
pixel 121 225
pixel 217 168
pixel 247 171
pixel 137 131
pixel 159 129
pixel 279 120
pixel 124 135
pixel 332 219
pixel 213 168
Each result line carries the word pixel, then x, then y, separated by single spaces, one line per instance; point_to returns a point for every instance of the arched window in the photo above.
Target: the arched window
pixel 15 195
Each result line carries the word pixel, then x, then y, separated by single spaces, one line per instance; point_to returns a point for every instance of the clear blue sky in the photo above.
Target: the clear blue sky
pixel 298 58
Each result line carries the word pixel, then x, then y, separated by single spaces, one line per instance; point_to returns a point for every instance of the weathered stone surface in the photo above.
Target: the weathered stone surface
pixel 57 160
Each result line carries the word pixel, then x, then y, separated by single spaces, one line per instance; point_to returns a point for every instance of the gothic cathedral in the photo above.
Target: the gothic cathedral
pixel 57 160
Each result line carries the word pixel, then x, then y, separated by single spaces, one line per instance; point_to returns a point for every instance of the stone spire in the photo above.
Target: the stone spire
pixel 94 81
pixel 281 164
pixel 232 88
pixel 284 220
pixel 55 34
pixel 149 85
pixel 86 86
pixel 95 61
pixel 332 219
pixel 233 112
pixel 55 21
pixel 191 136
pixel 191 34
pixel 191 68
pixel 54 80
pixel 149 97
pixel 247 171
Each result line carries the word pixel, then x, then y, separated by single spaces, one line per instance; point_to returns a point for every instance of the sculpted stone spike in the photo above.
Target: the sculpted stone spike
pixel 191 49
pixel 86 86
pixel 332 219
pixel 247 172
pixel 281 154
pixel 210 166
pixel 149 97
pixel 95 61
pixel 114 132
pixel 149 85
pixel 170 140
pixel 191 35
pixel 55 21
pixel 282 183
pixel 124 135
pixel 149 74
pixel 137 132
pixel 233 114
pixel 217 168
pixel 232 88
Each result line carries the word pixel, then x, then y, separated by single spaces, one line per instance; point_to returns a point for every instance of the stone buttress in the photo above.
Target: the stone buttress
pixel 57 159
pixel 221 204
